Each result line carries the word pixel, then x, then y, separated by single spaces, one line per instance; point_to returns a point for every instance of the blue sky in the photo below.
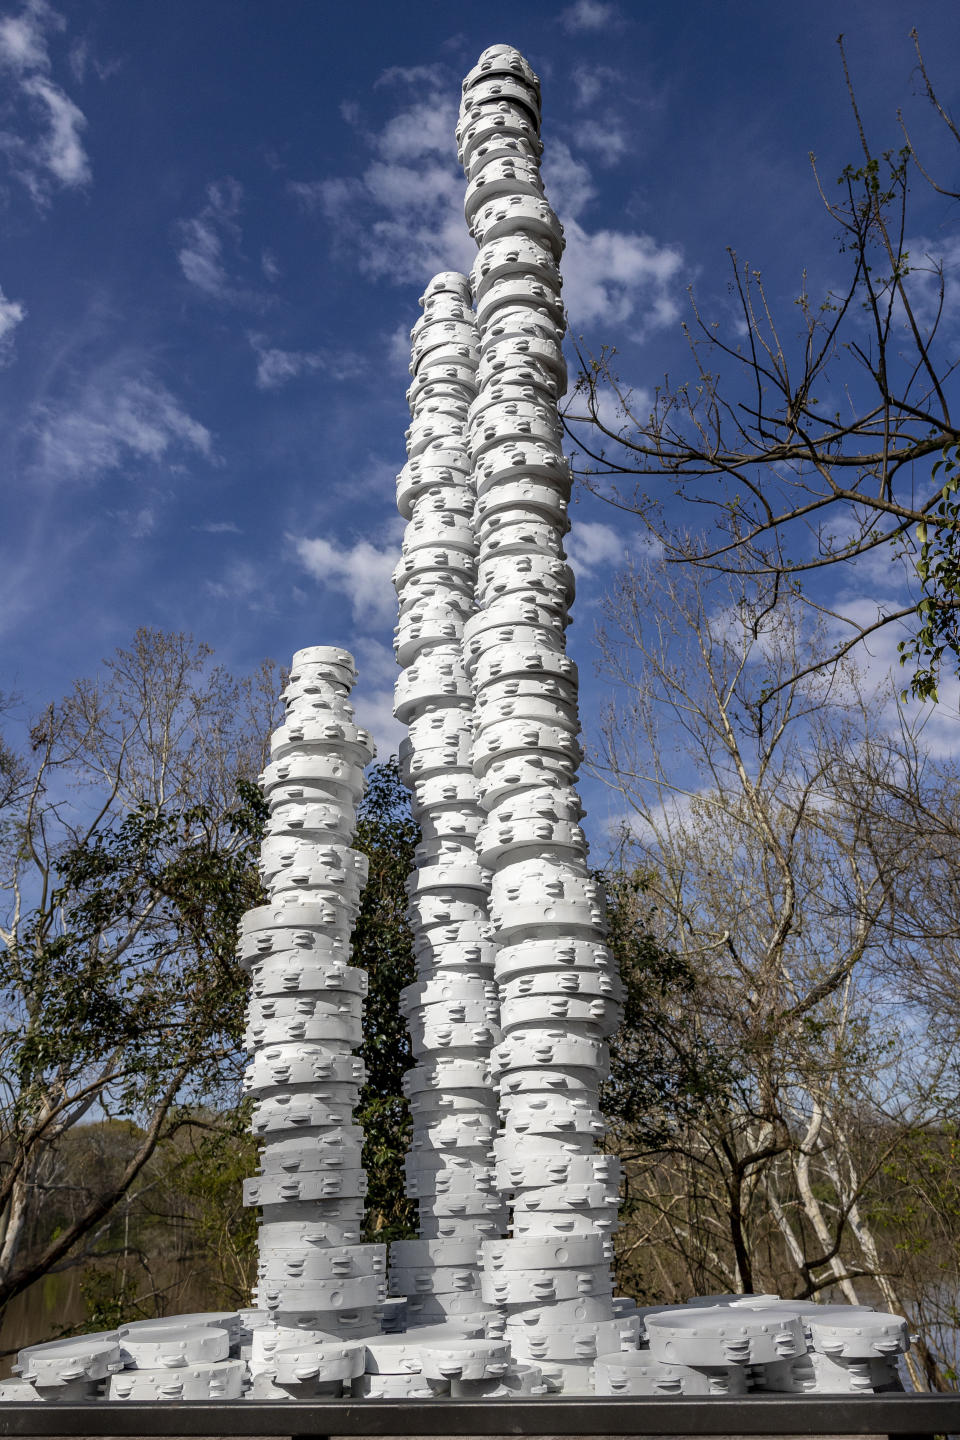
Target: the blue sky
pixel 216 219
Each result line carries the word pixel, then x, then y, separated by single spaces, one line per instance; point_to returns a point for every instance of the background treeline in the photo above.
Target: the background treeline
pixel 783 904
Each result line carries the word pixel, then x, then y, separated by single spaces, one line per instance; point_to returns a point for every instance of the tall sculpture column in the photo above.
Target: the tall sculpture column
pixel 558 986
pixel 452 1007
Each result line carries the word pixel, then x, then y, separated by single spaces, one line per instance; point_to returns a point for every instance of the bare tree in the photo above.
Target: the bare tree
pixel 125 869
pixel 766 840
pixel 810 448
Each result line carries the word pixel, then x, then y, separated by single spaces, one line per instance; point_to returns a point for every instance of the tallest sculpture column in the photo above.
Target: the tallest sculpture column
pixel 558 988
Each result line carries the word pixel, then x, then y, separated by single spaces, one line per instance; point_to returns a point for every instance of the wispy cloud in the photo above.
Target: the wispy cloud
pixel 23 43
pixel 615 276
pixel 403 216
pixel 275 366
pixel 593 82
pixel 403 219
pixel 610 411
pixel 373 697
pixel 934 263
pixel 201 240
pixel 592 546
pixel 396 350
pixel 590 15
pixel 605 140
pixel 45 148
pixel 361 572
pixel 420 130
pixel 116 416
pixel 879 672
pixel 412 75
pixel 83 58
pixel 220 527
pixel 568 181
pixel 12 314
pixel 242 581
pixel 140 523
pixel 610 276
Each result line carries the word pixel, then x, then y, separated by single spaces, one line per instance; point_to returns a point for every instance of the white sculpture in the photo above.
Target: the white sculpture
pixel 452 1009
pixel 517 993
pixel 316 1282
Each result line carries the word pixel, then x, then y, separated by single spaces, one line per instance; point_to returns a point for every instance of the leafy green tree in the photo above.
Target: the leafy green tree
pixel 121 995
pixel 663 1069
pixel 382 945
pixel 126 868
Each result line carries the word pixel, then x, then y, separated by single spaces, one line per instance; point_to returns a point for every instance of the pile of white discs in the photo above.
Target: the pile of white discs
pixel 716 1345
pixel 740 1344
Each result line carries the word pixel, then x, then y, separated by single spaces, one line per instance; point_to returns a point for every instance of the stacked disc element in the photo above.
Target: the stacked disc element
pixel 558 988
pixel 451 1008
pixel 181 1357
pixel 738 1344
pixel 320 1286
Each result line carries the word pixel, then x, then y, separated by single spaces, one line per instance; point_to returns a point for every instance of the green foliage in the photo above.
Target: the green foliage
pixel 120 994
pixel 382 945
pixel 663 1068
pixel 938 569
pixel 134 956
pixel 207 1169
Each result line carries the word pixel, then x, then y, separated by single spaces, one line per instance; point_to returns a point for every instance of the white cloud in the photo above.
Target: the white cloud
pixel 413 76
pixel 603 139
pixel 138 523
pixel 397 350
pixel 375 713
pixel 373 697
pixel 593 546
pixel 591 543
pixel 276 366
pixel 589 15
pixel 23 45
pixel 111 421
pixel 241 581
pixel 201 239
pixel 270 266
pixel 361 572
pixel 12 314
pixel 567 181
pixel 46 150
pixel 83 58
pixel 593 82
pixel 615 276
pixel 610 412
pixel 421 130
pixel 877 665
pixel 927 258
pixel 220 527
pixel 60 150
pixel 376 662
pixel 403 216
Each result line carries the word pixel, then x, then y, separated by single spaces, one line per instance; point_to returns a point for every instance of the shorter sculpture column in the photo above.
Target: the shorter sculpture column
pixel 320 1286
